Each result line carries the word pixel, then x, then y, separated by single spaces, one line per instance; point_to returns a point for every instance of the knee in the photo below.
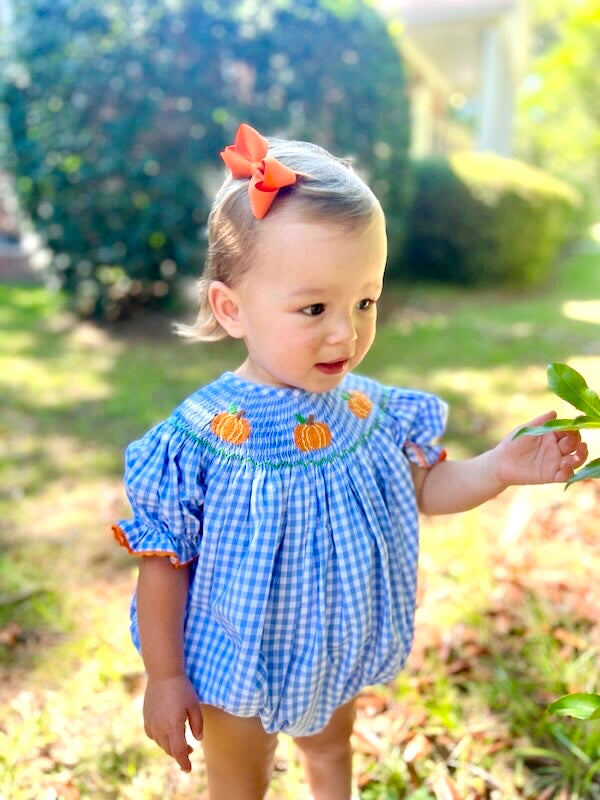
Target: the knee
pixel 327 745
pixel 333 742
pixel 329 752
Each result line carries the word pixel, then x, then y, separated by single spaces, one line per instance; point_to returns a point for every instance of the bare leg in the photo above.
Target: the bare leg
pixel 327 756
pixel 238 754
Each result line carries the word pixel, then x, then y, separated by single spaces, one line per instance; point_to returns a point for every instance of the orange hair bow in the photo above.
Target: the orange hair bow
pixel 248 158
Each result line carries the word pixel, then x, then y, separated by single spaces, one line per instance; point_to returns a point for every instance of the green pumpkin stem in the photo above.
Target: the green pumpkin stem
pixel 233 410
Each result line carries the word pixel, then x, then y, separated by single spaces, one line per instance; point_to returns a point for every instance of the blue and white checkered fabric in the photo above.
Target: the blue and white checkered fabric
pixel 303 563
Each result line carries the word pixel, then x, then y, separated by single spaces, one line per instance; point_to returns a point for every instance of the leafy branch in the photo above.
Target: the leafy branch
pixel 569 385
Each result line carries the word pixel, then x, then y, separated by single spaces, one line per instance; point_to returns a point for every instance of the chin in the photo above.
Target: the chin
pixel 328 382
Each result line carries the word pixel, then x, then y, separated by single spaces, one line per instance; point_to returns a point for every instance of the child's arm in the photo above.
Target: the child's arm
pixel 452 486
pixel 170 698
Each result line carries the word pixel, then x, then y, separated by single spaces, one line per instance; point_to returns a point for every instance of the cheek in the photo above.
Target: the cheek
pixel 292 332
pixel 283 340
pixel 298 344
pixel 368 331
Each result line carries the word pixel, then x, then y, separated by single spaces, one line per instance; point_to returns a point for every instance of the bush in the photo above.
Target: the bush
pixel 118 111
pixel 480 219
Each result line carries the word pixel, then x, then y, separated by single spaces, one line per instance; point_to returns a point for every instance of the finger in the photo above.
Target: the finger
pixel 564 472
pixel 580 454
pixel 196 721
pixel 180 750
pixel 541 419
pixel 568 442
pixel 571 461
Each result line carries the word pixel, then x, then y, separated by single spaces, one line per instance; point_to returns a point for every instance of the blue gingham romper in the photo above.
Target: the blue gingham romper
pixel 296 512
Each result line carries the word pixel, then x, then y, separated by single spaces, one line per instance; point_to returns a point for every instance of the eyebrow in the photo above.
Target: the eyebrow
pixel 309 292
pixel 305 292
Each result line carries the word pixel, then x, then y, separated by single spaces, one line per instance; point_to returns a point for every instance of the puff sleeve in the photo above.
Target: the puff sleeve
pixel 163 480
pixel 420 420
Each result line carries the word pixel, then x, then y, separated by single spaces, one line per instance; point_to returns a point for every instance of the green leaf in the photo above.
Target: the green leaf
pixel 579 706
pixel 569 385
pixel 591 470
pixel 576 424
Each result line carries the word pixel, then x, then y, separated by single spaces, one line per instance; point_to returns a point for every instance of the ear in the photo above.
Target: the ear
pixel 225 306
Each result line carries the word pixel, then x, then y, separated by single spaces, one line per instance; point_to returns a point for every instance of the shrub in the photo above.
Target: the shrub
pixel 117 113
pixel 480 219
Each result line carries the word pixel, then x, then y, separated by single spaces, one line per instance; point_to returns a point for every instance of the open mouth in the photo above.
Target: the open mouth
pixel 332 367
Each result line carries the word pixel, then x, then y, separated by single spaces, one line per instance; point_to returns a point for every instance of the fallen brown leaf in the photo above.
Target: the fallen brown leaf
pixel 444 788
pixel 418 747
pixel 570 639
pixel 11 634
pixel 66 791
pixel 367 742
pixel 371 703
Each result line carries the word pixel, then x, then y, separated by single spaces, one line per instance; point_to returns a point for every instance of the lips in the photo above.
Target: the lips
pixel 332 367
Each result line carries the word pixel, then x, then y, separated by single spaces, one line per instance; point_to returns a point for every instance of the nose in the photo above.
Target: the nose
pixel 343 330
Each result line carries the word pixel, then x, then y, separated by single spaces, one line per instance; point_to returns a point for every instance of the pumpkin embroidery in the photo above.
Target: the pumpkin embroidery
pixel 231 425
pixel 358 403
pixel 311 435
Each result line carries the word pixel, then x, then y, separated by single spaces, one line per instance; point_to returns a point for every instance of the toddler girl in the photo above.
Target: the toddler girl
pixel 277 507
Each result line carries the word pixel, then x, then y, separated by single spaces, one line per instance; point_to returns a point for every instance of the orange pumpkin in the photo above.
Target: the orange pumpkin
pixel 358 403
pixel 311 435
pixel 231 426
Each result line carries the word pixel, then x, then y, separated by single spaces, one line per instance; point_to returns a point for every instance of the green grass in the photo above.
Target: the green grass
pixel 73 394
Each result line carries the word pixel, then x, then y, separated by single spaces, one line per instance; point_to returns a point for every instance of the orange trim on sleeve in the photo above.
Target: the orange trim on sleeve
pixel 442 457
pixel 422 460
pixel 120 537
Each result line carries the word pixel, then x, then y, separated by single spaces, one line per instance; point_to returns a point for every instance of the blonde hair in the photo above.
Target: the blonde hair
pixel 329 191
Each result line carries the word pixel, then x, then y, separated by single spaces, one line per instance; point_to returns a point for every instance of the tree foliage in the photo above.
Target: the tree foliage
pixel 117 113
pixel 559 109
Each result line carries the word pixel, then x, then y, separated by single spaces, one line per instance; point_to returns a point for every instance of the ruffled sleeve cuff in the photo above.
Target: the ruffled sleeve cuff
pixel 139 542
pixel 164 484
pixel 421 419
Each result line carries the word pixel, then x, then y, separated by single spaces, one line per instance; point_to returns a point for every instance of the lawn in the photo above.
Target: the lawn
pixel 507 619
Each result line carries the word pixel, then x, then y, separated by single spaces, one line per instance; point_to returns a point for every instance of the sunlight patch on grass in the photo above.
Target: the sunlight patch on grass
pixel 455 569
pixel 75 511
pixel 584 310
pixel 408 319
pixel 49 472
pixel 588 365
pixel 50 383
pixel 485 404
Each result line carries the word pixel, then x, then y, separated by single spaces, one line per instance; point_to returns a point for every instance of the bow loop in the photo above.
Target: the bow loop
pixel 276 175
pixel 248 158
pixel 238 164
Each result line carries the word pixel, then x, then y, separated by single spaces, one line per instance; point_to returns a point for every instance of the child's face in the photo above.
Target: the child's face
pixel 307 307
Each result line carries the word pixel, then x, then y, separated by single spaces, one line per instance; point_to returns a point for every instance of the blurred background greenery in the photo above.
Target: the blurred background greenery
pixel 114 114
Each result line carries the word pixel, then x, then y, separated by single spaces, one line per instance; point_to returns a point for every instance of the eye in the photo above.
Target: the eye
pixel 314 310
pixel 366 304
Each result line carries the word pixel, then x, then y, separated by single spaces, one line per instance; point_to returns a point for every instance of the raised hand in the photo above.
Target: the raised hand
pixel 539 459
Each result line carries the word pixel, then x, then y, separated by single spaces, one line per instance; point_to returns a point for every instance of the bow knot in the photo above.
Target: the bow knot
pixel 248 158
